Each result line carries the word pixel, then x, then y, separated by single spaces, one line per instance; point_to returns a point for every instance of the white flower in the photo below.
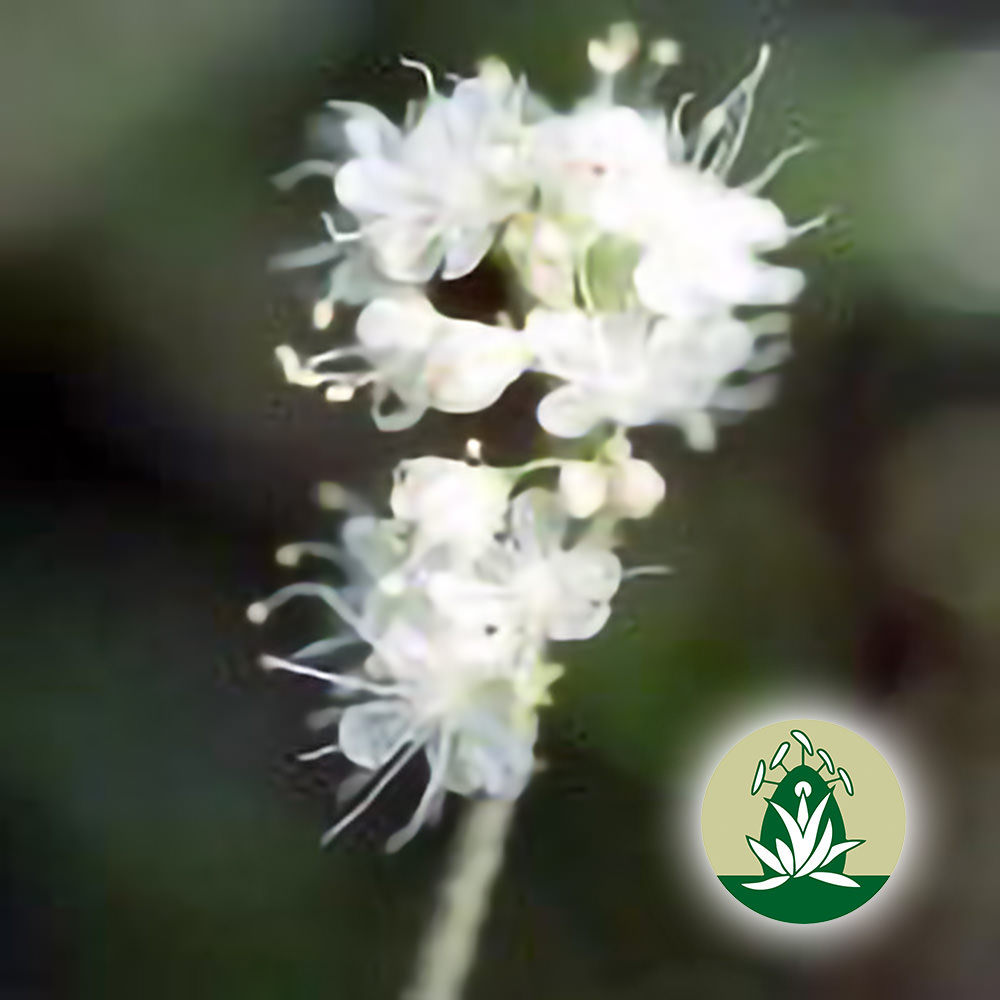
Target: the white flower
pixel 590 161
pixel 451 503
pixel 703 243
pixel 418 359
pixel 436 195
pixel 629 172
pixel 614 482
pixel 532 582
pixel 632 369
pixel 445 681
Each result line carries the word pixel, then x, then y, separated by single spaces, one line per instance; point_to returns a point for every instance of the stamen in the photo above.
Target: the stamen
pixel 612 55
pixel 391 773
pixel 287 179
pixel 260 610
pixel 758 183
pixel 306 374
pixel 291 555
pixel 330 597
pixel 353 785
pixel 333 496
pixel 424 71
pixel 339 393
pixel 311 755
pixel 637 571
pixel 474 450
pixel 335 680
pixel 676 143
pixel 434 788
pixel 322 314
pixel 807 227
pixel 293 369
pixel 322 253
pixel 665 52
pixel 330 645
pixel 335 234
pixel 732 116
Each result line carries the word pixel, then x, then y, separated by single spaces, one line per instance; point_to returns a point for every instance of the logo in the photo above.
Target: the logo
pixel 803 821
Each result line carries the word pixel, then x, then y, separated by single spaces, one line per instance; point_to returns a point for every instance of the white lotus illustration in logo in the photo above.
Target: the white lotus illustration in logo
pixel 807 851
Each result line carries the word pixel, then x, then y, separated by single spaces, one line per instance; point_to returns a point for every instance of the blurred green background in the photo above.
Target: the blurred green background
pixel 159 839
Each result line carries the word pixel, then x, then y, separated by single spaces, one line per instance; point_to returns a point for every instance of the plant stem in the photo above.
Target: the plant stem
pixel 448 950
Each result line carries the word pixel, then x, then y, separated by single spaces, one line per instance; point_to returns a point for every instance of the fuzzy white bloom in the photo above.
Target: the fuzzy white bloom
pixel 451 503
pixel 595 165
pixel 632 172
pixel 703 246
pixel 631 369
pixel 532 581
pixel 434 196
pixel 417 360
pixel 456 598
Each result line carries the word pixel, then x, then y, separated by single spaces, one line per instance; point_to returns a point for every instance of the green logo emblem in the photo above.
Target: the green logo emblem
pixel 831 827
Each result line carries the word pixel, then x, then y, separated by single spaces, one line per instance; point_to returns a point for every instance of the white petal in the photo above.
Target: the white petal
pixel 560 341
pixel 637 489
pixel 776 286
pixel 583 487
pixel 371 733
pixel 391 325
pixel 660 291
pixel 372 186
pixel 584 581
pixel 579 621
pixel 368 131
pixel 754 223
pixel 449 501
pixel 569 412
pixel 471 364
pixel 493 750
pixel 465 250
pixel 406 249
pixel 586 573
pixel 538 522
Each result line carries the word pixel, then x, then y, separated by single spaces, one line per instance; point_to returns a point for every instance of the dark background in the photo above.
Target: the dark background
pixel 158 838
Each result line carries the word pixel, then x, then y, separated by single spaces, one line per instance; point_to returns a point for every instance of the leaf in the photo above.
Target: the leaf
pixel 794 833
pixel 765 856
pixel 812 830
pixel 758 779
pixel 803 842
pixel 819 857
pixel 834 879
pixel 768 883
pixel 785 855
pixel 827 759
pixel 779 754
pixel 839 849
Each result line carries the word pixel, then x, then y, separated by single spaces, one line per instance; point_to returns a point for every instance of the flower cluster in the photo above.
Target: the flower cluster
pixel 630 250
pixel 638 293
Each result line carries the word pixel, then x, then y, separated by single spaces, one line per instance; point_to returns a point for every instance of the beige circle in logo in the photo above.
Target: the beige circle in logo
pixel 867 806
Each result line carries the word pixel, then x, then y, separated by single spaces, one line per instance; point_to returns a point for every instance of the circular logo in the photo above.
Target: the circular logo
pixel 803 821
